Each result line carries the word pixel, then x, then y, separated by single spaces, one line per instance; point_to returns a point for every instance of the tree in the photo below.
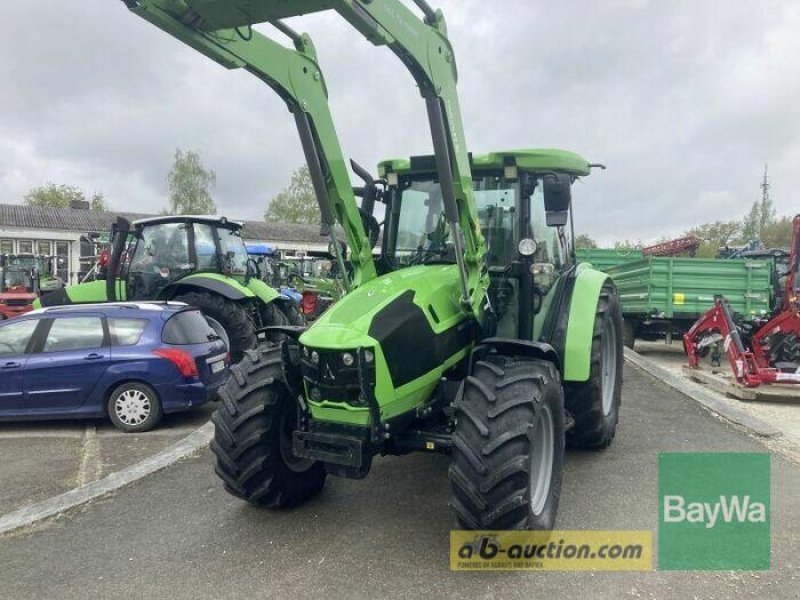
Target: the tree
pixel 190 185
pixel 297 203
pixel 714 236
pixel 584 241
pixel 778 234
pixel 98 202
pixel 51 195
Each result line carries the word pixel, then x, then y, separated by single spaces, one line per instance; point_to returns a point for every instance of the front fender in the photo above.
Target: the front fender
pixel 262 291
pixel 580 324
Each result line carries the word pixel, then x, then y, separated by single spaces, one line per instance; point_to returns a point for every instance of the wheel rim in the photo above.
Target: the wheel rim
pixel 292 462
pixel 133 407
pixel 541 459
pixel 608 363
pixel 219 330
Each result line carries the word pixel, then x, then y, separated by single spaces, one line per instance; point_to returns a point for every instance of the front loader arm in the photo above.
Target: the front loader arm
pixel 295 75
pixel 422 45
pixel 424 48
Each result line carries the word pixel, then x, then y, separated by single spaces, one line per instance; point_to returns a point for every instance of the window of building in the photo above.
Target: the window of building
pixel 25 247
pixel 44 247
pixel 62 260
pixel 6 246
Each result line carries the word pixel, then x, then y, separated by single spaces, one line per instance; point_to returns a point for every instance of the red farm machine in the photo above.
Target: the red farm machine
pixel 761 350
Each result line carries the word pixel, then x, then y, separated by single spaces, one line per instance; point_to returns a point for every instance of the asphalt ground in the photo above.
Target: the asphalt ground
pixel 177 534
pixel 41 459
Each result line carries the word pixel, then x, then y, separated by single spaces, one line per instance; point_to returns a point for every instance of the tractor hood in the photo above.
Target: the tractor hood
pixel 431 290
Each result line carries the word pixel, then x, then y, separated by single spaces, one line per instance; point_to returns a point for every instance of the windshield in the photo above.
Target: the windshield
pixel 422 235
pixel 17 277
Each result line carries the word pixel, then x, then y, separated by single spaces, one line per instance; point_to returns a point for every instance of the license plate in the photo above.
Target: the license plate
pixel 218 366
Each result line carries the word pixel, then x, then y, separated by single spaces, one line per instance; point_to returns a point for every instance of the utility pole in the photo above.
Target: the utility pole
pixel 765 187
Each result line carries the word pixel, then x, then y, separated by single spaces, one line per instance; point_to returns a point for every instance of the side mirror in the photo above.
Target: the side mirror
pixel 557 190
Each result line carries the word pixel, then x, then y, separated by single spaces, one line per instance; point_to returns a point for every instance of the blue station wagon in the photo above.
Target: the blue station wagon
pixel 131 362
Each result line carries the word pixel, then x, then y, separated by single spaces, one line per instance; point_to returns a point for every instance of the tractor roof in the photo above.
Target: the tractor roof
pixel 544 159
pixel 210 219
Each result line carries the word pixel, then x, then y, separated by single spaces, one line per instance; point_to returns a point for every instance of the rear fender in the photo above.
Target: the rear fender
pixel 217 284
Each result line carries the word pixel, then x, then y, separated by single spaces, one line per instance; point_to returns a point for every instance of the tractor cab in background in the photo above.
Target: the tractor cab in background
pixel 199 260
pixel 19 284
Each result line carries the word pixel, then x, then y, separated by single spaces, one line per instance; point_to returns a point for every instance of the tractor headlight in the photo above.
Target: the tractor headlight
pixel 369 356
pixel 347 359
pixel 315 357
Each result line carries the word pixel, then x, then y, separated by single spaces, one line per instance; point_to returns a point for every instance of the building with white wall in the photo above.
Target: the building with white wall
pixel 58 231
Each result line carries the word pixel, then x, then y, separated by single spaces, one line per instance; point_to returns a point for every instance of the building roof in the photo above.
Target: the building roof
pixel 80 220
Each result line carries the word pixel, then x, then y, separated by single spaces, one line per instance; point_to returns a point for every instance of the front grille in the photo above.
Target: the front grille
pixel 17 302
pixel 330 379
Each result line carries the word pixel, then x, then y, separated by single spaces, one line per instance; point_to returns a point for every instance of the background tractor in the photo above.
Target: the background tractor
pixel 23 278
pixel 474 334
pixel 201 261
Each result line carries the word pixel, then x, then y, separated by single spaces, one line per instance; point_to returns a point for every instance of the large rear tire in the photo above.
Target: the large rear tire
pixel 508 446
pixel 253 436
pixel 594 404
pixel 233 318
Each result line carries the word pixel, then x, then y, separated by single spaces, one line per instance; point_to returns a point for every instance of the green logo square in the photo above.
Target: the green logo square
pixel 714 511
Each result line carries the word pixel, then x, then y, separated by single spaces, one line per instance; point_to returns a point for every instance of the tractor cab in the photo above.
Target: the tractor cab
pixel 523 205
pixel 19 284
pixel 164 250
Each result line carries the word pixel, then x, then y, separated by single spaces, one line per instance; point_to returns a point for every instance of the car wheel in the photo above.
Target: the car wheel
pixel 134 407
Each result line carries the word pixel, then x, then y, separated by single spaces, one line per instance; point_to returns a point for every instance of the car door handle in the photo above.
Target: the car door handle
pixel 93 356
pixel 11 365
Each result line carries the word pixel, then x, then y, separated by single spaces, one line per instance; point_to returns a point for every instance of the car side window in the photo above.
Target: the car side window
pixel 126 331
pixel 14 337
pixel 74 333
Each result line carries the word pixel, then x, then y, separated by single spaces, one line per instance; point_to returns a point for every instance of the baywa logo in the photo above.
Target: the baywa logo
pixel 714 511
pixel 730 509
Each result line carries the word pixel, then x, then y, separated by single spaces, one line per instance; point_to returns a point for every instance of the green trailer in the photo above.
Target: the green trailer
pixel 663 296
pixel 603 259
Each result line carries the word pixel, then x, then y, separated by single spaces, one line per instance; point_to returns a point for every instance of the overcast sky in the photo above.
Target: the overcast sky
pixel 683 101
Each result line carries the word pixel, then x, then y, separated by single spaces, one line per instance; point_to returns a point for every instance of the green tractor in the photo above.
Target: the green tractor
pixel 475 334
pixel 201 261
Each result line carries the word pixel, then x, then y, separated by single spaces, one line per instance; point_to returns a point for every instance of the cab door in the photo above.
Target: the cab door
pixel 65 367
pixel 15 344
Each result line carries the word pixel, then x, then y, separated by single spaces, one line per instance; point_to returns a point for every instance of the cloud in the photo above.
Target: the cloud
pixel 684 101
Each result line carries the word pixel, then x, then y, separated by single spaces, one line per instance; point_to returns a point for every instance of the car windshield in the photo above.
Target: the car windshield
pixel 422 234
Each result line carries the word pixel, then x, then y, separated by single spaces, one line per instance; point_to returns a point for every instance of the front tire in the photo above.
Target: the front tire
pixel 134 407
pixel 508 446
pixel 252 436
pixel 234 319
pixel 595 403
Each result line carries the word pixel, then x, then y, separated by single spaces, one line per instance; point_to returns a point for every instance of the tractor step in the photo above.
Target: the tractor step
pixel 329 448
pixel 569 422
